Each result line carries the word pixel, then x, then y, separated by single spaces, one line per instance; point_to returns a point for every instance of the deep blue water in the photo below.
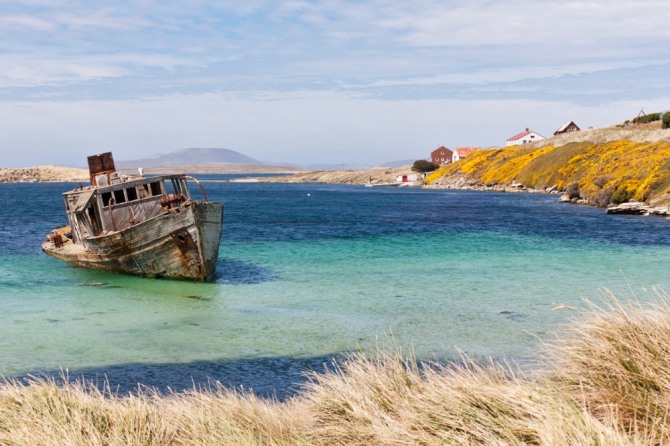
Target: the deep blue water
pixel 307 272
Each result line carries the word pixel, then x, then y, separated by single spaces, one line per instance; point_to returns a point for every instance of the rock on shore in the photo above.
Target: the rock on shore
pixel 43 174
pixel 461 181
pixel 637 208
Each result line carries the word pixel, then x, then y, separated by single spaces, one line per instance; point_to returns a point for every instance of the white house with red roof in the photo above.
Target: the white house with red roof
pixel 524 138
pixel 462 152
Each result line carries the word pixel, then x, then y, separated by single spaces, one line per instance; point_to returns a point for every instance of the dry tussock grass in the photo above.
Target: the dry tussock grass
pixel 607 382
pixel 618 357
pixel 40 412
pixel 607 134
pixel 386 400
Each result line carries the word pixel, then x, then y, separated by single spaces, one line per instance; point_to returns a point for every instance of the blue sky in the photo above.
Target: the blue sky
pixel 318 81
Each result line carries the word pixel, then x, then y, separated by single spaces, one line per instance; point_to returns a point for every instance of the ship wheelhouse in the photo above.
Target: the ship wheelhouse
pixel 95 211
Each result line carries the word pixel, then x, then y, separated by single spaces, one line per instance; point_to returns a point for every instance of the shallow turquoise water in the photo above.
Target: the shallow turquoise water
pixel 302 278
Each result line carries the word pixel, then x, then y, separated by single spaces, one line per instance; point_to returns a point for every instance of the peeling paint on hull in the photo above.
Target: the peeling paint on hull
pixel 181 243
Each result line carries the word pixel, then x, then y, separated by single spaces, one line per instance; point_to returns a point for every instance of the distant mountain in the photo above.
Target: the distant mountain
pixel 189 156
pixel 205 156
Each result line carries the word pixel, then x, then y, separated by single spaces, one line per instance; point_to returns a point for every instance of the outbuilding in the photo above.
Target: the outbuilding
pixel 567 127
pixel 524 137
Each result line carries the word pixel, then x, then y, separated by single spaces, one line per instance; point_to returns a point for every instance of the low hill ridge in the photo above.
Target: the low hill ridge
pixel 43 174
pixel 189 156
pixel 607 134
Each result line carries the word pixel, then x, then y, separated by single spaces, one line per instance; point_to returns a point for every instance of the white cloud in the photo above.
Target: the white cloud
pixel 100 20
pixel 25 22
pixel 513 74
pixel 307 72
pixel 525 22
pixel 25 70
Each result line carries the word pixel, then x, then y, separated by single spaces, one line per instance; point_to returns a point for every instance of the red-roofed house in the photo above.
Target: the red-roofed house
pixel 567 127
pixel 462 152
pixel 441 155
pixel 524 138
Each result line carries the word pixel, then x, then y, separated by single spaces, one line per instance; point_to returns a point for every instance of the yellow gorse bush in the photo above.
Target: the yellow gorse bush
pixel 641 169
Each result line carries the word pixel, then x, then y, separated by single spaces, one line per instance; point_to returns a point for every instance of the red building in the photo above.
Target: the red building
pixel 441 155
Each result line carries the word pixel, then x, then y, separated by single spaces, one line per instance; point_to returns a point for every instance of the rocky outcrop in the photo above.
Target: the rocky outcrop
pixel 43 174
pixel 461 181
pixel 638 208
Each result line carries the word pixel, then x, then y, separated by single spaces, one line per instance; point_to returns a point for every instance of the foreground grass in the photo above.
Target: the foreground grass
pixel 606 382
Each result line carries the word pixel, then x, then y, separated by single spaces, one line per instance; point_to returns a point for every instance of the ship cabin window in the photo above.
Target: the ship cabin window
pixel 144 191
pixel 156 188
pixel 106 196
pixel 172 187
pixel 131 193
pixel 119 196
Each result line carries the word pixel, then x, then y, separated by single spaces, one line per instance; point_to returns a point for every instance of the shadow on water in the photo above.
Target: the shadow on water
pixel 236 272
pixel 276 378
pixel 272 377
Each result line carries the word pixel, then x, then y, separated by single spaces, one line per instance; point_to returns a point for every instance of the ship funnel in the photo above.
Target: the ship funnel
pixel 101 164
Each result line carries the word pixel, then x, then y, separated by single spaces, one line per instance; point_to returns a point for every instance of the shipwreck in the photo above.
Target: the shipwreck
pixel 148 226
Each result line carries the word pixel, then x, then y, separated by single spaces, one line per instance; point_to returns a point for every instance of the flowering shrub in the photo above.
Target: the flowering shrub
pixel 622 170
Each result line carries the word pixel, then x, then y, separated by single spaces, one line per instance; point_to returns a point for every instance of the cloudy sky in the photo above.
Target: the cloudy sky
pixel 318 81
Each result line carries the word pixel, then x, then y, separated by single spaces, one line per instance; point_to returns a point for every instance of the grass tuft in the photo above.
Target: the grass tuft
pixel 618 356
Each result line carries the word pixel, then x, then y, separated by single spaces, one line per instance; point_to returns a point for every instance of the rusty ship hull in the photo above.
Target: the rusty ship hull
pixel 135 225
pixel 179 244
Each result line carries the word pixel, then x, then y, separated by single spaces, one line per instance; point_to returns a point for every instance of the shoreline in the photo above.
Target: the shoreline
pixel 61 174
pixel 369 177
pixel 374 176
pixel 461 181
pixel 458 181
